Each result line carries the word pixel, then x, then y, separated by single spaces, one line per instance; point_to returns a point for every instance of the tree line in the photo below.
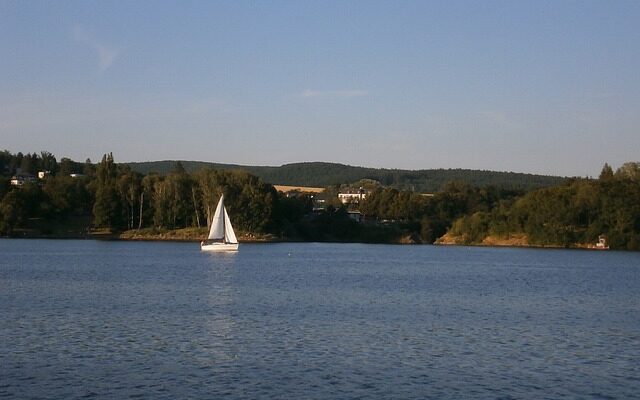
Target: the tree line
pixel 115 197
pixel 426 218
pixel 578 211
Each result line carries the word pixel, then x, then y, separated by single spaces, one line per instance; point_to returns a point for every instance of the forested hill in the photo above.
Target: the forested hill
pixel 320 174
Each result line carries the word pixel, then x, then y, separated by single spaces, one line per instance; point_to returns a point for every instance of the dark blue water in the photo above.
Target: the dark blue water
pixel 89 319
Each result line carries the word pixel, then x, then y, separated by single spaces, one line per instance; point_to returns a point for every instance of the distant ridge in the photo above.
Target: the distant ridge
pixel 322 174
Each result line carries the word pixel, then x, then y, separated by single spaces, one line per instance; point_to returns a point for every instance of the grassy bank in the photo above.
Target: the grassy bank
pixel 185 235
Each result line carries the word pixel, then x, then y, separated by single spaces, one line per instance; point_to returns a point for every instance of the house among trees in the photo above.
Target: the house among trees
pixel 20 178
pixel 352 196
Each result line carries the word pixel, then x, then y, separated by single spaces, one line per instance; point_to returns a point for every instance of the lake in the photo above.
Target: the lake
pixel 100 319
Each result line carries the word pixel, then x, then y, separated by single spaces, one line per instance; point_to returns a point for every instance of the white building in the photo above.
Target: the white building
pixel 352 197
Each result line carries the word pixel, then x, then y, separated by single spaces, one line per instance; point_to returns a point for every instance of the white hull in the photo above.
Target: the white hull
pixel 219 247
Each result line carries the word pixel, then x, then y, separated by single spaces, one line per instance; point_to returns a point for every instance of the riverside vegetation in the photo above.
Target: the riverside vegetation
pixel 112 200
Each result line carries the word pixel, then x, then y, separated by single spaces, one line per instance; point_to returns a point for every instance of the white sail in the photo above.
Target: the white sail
pixel 217 223
pixel 229 234
pixel 221 235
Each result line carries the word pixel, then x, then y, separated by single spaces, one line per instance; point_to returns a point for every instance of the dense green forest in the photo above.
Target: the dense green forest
pixel 76 199
pixel 115 198
pixel 578 211
pixel 318 174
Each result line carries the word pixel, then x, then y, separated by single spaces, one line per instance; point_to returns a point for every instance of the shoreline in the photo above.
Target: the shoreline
pixel 513 241
pixel 171 236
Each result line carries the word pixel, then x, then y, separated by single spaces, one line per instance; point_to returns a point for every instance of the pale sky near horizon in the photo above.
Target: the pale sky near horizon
pixel 550 87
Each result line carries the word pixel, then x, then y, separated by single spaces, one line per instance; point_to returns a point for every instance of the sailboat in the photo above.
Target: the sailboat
pixel 221 235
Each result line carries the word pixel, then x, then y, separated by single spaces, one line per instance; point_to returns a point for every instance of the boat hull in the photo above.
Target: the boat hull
pixel 219 247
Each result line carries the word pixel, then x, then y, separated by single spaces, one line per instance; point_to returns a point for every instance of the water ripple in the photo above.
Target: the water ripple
pixel 85 319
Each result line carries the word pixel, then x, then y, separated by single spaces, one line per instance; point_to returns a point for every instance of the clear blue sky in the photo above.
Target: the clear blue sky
pixel 540 87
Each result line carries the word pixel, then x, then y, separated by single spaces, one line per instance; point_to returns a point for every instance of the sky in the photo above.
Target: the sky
pixel 545 87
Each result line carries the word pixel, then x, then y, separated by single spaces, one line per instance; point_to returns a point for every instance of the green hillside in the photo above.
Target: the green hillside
pixel 320 174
